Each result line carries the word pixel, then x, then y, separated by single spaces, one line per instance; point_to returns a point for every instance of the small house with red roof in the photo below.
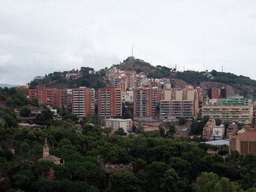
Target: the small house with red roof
pixel 48 157
pixel 244 142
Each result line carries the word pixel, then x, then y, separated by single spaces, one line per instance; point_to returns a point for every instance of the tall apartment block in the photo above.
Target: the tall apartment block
pixel 83 101
pixel 49 96
pixel 177 103
pixel 109 102
pixel 44 95
pixel 145 101
pixel 214 93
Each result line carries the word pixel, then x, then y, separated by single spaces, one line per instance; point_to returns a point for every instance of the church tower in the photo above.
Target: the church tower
pixel 45 149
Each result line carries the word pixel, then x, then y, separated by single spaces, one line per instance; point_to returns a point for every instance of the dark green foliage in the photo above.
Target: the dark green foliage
pixel 14 98
pixel 197 126
pixel 182 121
pixel 218 121
pixel 45 117
pixel 25 111
pixel 120 131
pixel 192 77
pixel 9 117
pixel 123 181
pixel 86 79
pixel 159 164
pixel 238 82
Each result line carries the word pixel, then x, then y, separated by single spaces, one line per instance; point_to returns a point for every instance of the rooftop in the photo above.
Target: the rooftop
pixel 50 158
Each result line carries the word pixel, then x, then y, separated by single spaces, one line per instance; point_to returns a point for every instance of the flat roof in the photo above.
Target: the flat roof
pixel 217 142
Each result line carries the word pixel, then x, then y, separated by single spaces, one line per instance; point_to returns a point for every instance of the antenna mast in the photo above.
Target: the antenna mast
pixel 132 50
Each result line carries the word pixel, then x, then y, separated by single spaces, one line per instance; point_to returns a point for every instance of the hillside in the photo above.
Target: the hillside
pixel 89 78
pixel 241 84
pixel 86 77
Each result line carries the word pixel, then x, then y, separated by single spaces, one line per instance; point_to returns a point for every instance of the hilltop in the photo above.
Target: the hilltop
pixel 139 66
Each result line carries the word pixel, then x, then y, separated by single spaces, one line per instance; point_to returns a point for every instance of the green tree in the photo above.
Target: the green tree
pixel 171 130
pixel 225 185
pixel 161 131
pixel 172 181
pixel 23 178
pixel 120 131
pixel 218 121
pixel 43 167
pixel 25 111
pixel 206 182
pixel 124 181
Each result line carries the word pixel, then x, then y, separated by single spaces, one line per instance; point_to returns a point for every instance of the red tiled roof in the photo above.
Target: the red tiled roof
pixel 247 135
pixel 246 127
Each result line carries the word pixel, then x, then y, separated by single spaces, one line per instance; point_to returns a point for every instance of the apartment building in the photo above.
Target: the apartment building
pixel 83 101
pixel 235 100
pixel 126 77
pixel 45 95
pixel 177 103
pixel 232 129
pixel 115 124
pixel 214 93
pixel 145 101
pixel 208 129
pixel 109 102
pixel 240 114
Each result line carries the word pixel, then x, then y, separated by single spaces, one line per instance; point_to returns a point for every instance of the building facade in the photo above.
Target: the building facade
pixel 244 143
pixel 240 114
pixel 236 100
pixel 145 102
pixel 178 103
pixel 43 95
pixel 115 124
pixel 83 101
pixel 109 102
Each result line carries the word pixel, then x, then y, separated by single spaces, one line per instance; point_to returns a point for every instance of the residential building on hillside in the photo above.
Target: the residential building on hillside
pixel 211 131
pixel 177 103
pixel 83 101
pixel 45 95
pixel 145 101
pixel 122 79
pixel 115 124
pixel 218 132
pixel 214 93
pixel 240 114
pixel 232 129
pixel 208 129
pixel 109 102
pixel 236 100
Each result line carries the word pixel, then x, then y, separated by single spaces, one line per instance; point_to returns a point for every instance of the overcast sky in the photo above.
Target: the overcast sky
pixel 38 37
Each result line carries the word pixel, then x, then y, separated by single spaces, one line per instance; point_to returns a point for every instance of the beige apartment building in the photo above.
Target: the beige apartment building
pixel 179 103
pixel 240 114
pixel 115 124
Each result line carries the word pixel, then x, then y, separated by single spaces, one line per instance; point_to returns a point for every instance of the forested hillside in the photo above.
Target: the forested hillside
pixel 94 161
pixel 243 85
pixel 60 80
pixel 159 164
